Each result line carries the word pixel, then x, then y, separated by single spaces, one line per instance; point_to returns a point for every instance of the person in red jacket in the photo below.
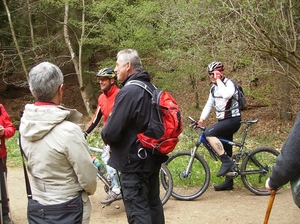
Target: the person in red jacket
pixel 7 130
pixel 107 80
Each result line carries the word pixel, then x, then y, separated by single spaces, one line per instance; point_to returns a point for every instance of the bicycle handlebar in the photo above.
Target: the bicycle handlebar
pixel 194 124
pixel 94 149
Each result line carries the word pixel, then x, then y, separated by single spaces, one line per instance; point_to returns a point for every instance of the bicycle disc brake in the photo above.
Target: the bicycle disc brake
pixel 263 173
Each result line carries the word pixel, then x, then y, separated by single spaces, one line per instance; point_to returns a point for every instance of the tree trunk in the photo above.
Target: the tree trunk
pixel 30 25
pixel 76 61
pixel 195 89
pixel 15 39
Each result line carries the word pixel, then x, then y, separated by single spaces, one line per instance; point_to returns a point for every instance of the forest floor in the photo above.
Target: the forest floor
pixel 238 206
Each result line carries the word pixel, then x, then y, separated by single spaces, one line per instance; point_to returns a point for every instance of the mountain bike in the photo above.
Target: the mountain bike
pixel 165 190
pixel 191 173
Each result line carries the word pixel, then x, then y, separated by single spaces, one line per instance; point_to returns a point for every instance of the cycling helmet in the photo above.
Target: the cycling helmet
pixel 106 72
pixel 215 66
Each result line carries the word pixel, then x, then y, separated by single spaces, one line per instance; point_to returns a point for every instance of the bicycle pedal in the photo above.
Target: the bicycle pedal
pixel 231 174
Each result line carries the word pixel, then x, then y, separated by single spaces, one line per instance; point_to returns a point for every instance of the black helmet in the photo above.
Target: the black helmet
pixel 106 72
pixel 215 66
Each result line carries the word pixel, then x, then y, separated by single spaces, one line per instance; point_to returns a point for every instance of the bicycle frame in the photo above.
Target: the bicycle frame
pixel 238 155
pixel 202 140
pixel 191 173
pixel 100 176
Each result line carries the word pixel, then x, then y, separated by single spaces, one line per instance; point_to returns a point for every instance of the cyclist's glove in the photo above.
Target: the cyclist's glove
pixel 200 123
pixel 197 124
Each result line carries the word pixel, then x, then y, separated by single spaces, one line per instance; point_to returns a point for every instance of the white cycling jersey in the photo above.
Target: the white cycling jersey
pixel 220 97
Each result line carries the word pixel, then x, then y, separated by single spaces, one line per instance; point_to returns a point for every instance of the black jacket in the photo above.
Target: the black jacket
pixel 287 165
pixel 130 116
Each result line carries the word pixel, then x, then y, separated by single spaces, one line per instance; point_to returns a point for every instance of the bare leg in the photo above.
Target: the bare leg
pixel 217 145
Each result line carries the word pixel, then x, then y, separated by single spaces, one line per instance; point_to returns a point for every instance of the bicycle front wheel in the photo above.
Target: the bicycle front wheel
pixel 166 184
pixel 256 169
pixel 191 184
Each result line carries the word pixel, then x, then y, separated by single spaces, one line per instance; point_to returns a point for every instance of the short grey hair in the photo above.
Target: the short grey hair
pixel 44 81
pixel 132 56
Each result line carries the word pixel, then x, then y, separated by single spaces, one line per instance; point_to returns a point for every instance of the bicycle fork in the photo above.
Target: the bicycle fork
pixel 187 172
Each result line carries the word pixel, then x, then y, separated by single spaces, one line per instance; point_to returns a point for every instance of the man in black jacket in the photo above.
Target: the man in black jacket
pixel 139 169
pixel 287 165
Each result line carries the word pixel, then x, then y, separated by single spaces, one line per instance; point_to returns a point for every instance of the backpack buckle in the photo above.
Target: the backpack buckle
pixel 142 153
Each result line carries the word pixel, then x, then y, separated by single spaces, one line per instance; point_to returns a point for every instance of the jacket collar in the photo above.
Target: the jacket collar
pixel 40 103
pixel 111 91
pixel 142 75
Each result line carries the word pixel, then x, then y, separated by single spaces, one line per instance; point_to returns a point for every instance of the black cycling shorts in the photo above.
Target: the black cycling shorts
pixel 223 128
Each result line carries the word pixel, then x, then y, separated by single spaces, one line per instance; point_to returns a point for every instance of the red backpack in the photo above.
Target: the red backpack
pixel 165 123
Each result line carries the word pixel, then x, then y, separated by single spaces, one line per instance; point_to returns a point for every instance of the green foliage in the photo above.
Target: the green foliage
pixel 94 139
pixel 14 155
pixel 14 158
pixel 175 39
pixel 139 25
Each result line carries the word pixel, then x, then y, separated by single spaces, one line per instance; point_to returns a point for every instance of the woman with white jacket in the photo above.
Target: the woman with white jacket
pixel 57 153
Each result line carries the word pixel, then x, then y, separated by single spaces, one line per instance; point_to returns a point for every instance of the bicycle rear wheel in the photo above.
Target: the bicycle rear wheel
pixel 166 184
pixel 191 185
pixel 256 169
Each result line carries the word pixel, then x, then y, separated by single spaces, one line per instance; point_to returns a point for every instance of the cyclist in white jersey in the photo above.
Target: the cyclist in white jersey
pixel 228 115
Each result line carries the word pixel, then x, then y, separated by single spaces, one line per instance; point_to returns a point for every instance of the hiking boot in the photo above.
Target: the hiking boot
pixel 227 164
pixel 227 185
pixel 111 197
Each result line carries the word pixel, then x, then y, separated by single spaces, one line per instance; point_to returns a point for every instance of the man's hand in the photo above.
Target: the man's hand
pixel 200 123
pixel 217 75
pixel 268 186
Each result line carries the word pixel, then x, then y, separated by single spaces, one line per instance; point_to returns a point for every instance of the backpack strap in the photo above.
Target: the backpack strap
pixel 212 90
pixel 140 84
pixel 147 89
pixel 28 189
pixel 235 97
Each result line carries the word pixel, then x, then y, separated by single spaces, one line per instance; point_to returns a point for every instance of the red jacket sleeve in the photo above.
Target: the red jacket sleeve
pixel 9 129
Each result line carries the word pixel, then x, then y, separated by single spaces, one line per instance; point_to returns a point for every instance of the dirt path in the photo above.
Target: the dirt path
pixel 234 207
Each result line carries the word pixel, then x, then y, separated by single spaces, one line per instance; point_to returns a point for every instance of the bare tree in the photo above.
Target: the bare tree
pixel 15 39
pixel 77 60
pixel 30 24
pixel 270 27
pixel 277 39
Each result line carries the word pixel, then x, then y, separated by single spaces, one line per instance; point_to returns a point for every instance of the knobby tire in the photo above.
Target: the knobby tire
pixel 257 168
pixel 166 184
pixel 193 185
